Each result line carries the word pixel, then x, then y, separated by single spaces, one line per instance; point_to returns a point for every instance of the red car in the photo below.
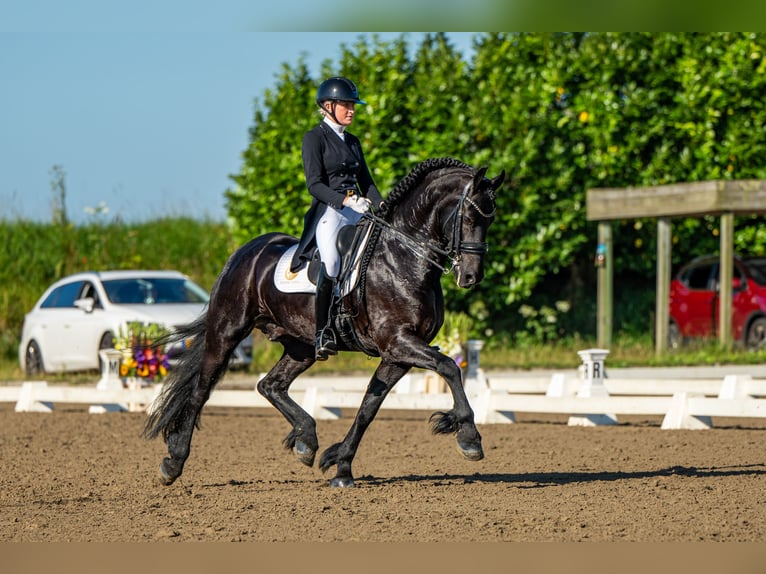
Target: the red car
pixel 694 301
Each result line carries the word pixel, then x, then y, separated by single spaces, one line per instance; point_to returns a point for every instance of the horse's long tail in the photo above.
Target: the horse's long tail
pixel 173 405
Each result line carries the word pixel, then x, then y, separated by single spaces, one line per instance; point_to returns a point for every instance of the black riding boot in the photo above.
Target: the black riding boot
pixel 326 344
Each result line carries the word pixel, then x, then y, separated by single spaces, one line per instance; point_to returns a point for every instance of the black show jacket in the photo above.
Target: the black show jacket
pixel 331 167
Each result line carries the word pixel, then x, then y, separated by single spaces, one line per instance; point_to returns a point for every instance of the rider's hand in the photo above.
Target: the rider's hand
pixel 358 204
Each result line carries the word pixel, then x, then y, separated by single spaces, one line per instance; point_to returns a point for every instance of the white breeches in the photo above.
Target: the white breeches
pixel 327 232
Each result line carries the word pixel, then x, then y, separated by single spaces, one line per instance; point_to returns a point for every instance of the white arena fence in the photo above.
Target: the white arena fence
pixel 587 397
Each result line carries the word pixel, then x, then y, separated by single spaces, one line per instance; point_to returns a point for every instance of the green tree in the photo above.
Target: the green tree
pixel 528 125
pixel 437 104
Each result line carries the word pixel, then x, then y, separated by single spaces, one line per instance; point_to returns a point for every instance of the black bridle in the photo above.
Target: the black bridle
pixel 455 247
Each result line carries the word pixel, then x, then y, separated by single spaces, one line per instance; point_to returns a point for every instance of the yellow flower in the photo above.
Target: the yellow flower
pixel 583 117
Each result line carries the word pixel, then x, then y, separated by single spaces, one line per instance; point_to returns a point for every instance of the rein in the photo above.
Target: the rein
pixel 417 247
pixel 456 245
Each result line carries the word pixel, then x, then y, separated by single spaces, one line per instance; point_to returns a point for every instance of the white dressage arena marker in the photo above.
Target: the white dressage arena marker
pixel 593 386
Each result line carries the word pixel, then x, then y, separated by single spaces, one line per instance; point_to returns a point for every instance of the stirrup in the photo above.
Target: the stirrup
pixel 325 345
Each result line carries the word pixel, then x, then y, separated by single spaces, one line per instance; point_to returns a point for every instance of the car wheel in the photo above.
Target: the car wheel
pixel 675 339
pixel 756 334
pixel 33 360
pixel 107 342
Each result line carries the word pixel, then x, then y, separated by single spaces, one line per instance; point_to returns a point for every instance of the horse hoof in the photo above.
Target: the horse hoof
pixel 164 478
pixel 304 453
pixel 471 453
pixel 338 482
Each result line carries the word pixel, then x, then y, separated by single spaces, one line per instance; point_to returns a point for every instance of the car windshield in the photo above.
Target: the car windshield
pixel 154 291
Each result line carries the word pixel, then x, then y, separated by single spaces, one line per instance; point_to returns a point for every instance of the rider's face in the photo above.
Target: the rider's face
pixel 344 111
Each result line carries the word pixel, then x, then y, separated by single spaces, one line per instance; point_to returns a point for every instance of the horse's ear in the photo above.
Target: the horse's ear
pixel 480 173
pixel 498 181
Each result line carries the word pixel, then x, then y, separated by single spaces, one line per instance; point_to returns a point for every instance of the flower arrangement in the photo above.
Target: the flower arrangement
pixel 141 356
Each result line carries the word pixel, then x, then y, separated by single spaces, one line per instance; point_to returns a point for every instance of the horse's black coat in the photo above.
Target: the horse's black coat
pixel 443 204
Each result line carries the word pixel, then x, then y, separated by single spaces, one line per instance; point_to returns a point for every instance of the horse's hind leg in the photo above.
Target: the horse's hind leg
pixel 188 388
pixel 342 454
pixel 179 439
pixel 302 439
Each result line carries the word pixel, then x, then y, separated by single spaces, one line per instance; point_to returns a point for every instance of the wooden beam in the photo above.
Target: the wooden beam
pixel 715 197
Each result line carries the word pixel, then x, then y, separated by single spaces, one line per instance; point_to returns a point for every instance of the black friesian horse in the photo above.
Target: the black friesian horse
pixel 437 216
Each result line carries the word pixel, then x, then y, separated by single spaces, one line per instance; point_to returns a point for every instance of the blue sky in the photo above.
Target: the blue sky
pixel 147 122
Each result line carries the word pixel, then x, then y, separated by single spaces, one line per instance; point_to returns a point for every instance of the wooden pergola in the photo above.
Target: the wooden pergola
pixel 723 198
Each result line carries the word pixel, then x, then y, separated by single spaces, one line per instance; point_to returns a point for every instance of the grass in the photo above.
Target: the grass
pixel 625 352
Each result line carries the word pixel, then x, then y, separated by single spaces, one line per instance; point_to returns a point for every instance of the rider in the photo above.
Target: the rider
pixel 342 190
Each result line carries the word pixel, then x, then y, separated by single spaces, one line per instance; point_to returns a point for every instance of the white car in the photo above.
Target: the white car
pixel 81 314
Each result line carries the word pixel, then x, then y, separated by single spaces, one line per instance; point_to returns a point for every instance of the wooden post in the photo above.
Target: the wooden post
pixel 605 301
pixel 725 276
pixel 662 304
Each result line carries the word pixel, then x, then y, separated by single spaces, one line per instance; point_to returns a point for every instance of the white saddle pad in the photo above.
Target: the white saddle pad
pixel 289 282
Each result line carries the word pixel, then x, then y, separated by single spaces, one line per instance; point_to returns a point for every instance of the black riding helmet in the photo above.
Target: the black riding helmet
pixel 338 89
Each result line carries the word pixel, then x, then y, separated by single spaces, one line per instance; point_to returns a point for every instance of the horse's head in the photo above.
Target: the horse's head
pixel 441 212
pixel 472 217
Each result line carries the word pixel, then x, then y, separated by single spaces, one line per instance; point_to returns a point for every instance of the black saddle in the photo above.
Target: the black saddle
pixel 347 242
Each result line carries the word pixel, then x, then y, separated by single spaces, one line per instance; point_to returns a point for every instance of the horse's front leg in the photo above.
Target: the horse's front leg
pixel 342 454
pixel 458 421
pixel 302 439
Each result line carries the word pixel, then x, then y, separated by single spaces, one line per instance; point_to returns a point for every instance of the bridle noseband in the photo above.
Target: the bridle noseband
pixel 456 246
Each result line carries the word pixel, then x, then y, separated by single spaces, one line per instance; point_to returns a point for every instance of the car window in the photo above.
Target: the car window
pixel 89 290
pixel 63 296
pixel 697 277
pixel 151 291
pixel 740 274
pixel 737 273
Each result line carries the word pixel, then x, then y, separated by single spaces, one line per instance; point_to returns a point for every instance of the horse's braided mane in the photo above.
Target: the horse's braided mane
pixel 402 188
pixel 416 176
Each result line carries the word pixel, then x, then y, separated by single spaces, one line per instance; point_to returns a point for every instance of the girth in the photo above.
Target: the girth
pixel 345 310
